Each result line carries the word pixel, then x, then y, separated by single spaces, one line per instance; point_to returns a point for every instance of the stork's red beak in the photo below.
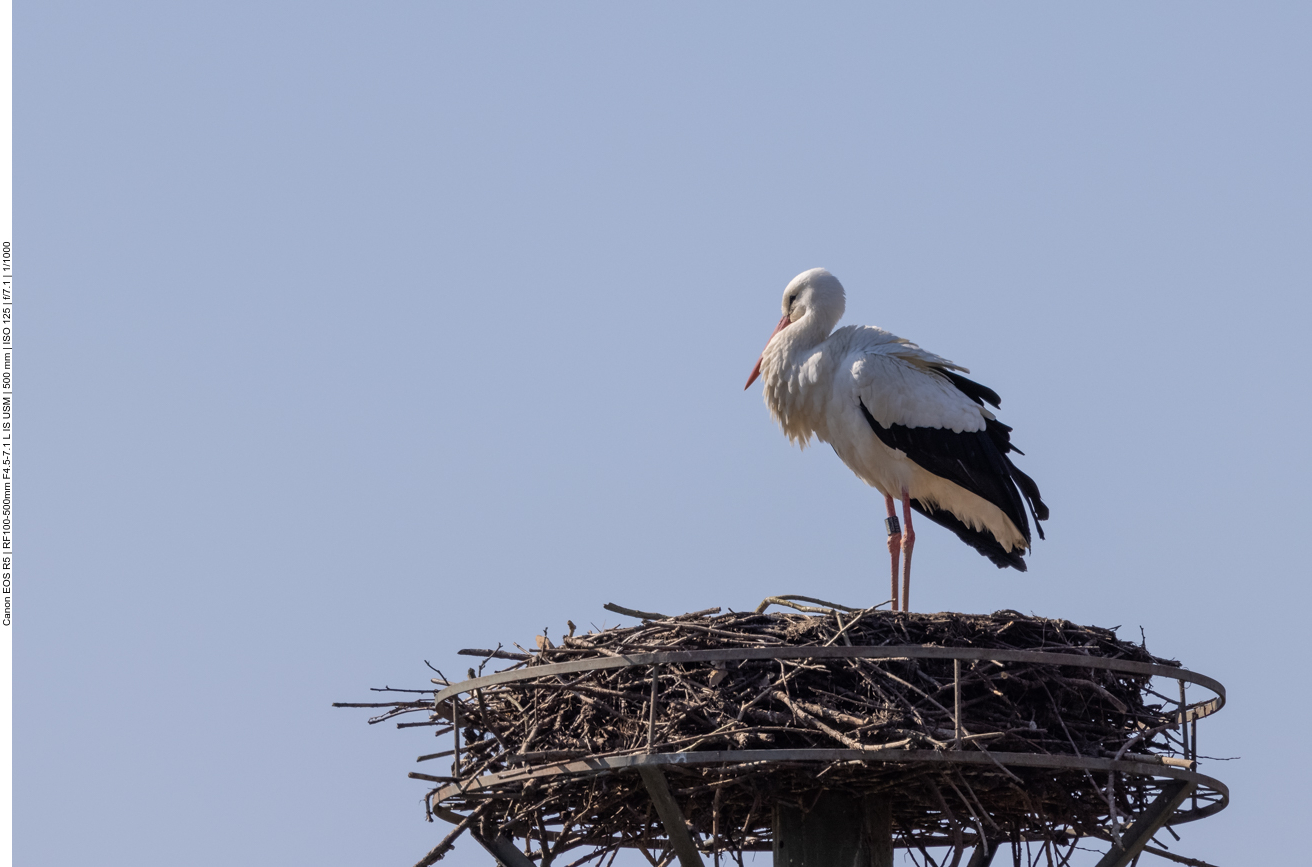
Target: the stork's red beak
pixel 756 371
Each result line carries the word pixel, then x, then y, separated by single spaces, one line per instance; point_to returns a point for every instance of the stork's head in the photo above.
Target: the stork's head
pixel 816 293
pixel 814 301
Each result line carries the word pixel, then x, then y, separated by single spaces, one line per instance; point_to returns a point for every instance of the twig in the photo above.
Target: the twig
pixel 632 612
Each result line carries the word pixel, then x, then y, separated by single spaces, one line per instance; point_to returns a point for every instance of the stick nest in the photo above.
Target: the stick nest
pixel 863 704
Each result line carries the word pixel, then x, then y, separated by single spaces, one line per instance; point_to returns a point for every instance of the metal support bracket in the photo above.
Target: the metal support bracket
pixel 1148 823
pixel 982 858
pixel 671 816
pixel 504 850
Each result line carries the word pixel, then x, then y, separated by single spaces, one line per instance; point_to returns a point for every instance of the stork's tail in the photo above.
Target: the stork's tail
pixel 981 540
pixel 1030 491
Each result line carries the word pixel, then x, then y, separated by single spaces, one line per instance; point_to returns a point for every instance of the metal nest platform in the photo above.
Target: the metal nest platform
pixel 821 733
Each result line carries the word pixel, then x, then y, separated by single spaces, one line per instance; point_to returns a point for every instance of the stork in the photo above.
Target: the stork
pixel 904 420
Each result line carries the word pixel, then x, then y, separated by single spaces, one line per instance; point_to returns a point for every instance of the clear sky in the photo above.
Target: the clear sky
pixel 353 334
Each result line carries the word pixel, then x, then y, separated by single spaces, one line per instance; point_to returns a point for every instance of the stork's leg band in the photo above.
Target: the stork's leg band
pixel 892 524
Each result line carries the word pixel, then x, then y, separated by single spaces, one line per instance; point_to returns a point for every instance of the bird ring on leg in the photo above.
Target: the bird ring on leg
pixel 892 524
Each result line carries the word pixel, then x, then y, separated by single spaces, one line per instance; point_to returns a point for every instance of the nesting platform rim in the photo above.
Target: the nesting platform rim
pixel 618 764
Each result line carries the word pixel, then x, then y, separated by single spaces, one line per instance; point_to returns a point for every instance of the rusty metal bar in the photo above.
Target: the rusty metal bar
pixel 956 700
pixel 1184 722
pixel 455 730
pixel 1193 742
pixel 651 721
pixel 1148 823
pixel 676 829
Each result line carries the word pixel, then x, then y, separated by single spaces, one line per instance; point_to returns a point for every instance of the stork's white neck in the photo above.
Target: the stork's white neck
pixel 797 372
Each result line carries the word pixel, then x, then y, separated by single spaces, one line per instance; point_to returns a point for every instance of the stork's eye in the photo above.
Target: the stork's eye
pixel 791 299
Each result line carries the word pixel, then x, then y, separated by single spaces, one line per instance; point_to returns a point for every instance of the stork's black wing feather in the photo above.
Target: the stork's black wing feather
pixel 981 394
pixel 978 462
pixel 970 459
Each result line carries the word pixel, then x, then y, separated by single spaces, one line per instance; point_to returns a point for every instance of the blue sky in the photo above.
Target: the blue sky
pixel 352 335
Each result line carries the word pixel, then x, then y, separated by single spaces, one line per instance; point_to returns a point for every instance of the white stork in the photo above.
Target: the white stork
pixel 903 420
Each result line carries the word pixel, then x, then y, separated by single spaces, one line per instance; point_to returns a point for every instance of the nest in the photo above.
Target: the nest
pixel 983 705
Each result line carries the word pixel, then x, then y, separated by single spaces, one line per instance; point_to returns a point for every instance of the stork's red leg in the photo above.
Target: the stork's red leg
pixel 894 543
pixel 908 542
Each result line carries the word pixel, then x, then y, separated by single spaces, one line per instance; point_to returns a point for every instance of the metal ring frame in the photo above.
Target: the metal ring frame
pixel 1212 793
pixel 585 767
pixel 730 654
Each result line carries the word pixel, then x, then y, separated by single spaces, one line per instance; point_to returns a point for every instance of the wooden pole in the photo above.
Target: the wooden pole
pixel 836 832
